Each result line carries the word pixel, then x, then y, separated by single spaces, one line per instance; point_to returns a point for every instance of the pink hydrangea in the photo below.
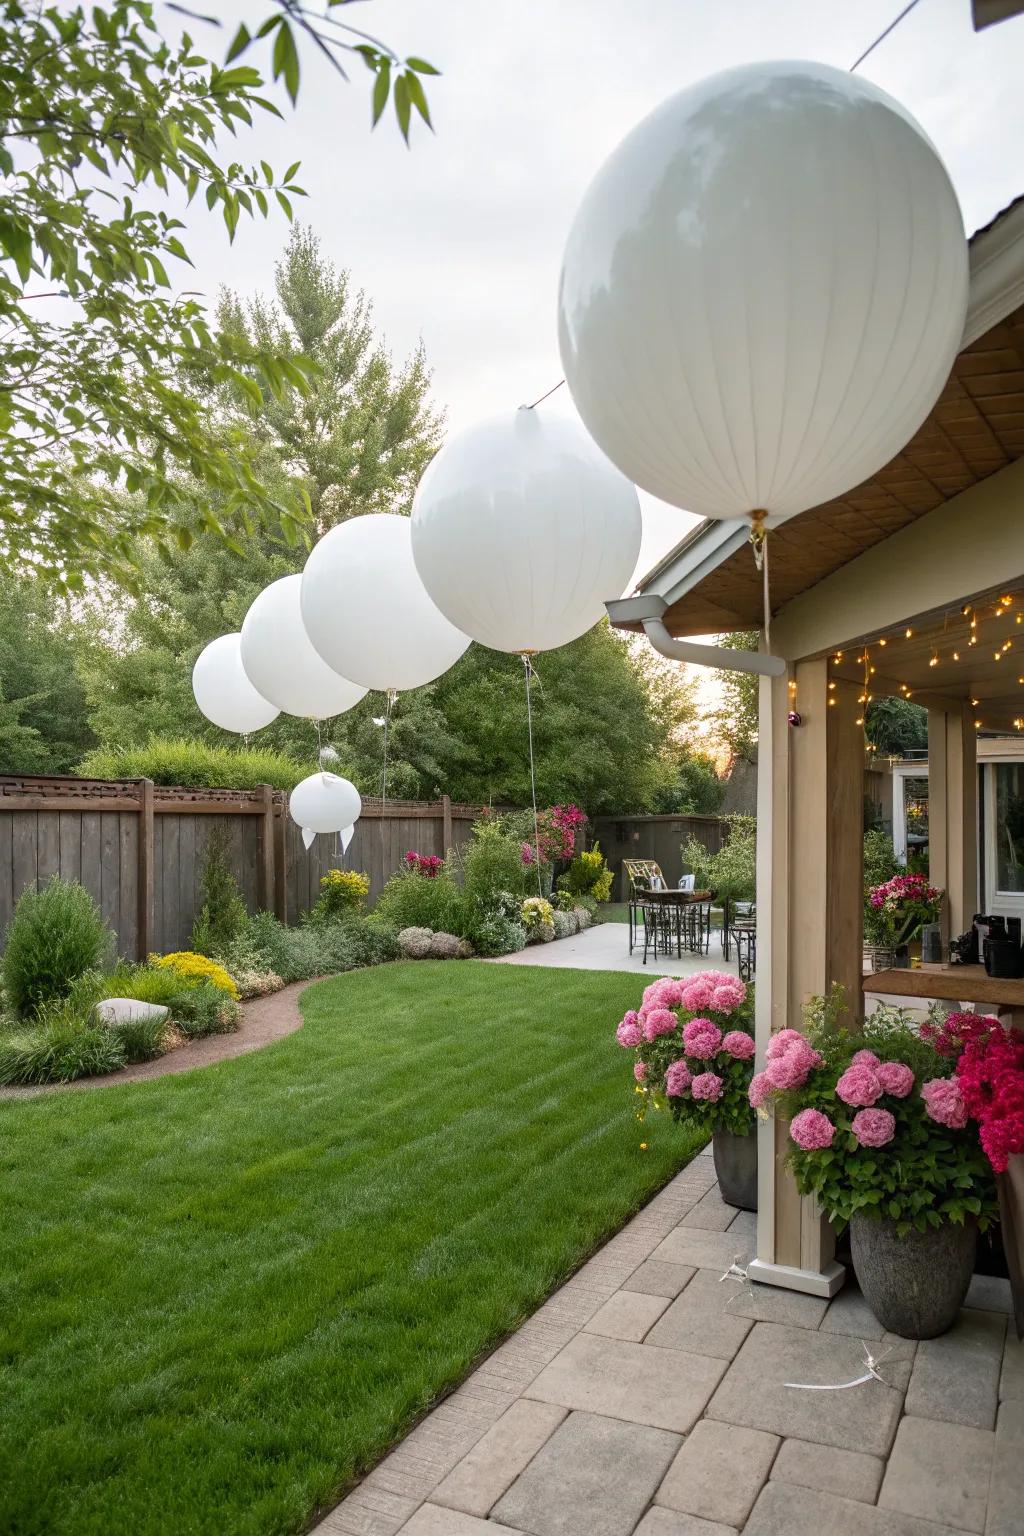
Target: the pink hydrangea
pixel 859 1085
pixel 664 993
pixel 895 1077
pixel 779 1044
pixel 728 994
pixel 811 1130
pixel 873 1127
pixel 701 1038
pixel 794 1066
pixel 639 1070
pixel 865 1059
pixel 944 1102
pixel 739 1044
pixel 660 1021
pixel 713 989
pixel 759 1089
pixel 697 992
pixel 708 1085
pixel 629 1033
pixel 677 1079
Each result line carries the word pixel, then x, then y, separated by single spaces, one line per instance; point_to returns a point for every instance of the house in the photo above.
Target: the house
pixel 912 585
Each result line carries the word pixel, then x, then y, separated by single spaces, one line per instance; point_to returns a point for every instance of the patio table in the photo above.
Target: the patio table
pixel 676 910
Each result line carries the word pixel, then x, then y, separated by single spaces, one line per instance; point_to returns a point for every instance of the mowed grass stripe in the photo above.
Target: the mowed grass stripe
pixel 225 1294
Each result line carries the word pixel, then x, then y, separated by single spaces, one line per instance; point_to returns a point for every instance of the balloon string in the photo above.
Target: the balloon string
pixel 766 597
pixel 545 397
pixel 391 697
pixel 528 674
pixel 319 745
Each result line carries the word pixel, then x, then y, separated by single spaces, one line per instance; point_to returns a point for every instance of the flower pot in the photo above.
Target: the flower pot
pixel 901 957
pixel 915 1285
pixel 736 1167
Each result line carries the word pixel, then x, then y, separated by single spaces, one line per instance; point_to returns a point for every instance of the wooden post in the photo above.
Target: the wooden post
pixel 281 867
pixel 953 815
pixel 146 851
pixel 446 825
pixel 266 891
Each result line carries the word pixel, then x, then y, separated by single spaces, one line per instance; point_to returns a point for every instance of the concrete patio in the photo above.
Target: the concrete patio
pixel 605 947
pixel 650 1395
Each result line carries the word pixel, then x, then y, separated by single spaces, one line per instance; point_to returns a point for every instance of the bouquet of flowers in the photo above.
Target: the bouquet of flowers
pixel 899 908
pixel 693 1046
pixel 878 1121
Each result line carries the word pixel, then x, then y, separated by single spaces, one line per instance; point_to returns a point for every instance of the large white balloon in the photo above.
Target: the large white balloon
pixel 280 661
pixel 224 693
pixel 324 803
pixel 367 611
pixel 522 529
pixel 763 290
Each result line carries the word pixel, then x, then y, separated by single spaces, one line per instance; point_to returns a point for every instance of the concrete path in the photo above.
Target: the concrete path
pixel 605 947
pixel 651 1395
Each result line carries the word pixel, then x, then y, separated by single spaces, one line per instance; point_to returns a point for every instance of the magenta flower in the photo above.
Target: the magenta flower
pixel 677 1079
pixel 859 1085
pixel 759 1090
pixel 895 1077
pixel 629 1033
pixel 707 1086
pixel 739 1044
pixel 944 1102
pixel 701 1038
pixel 811 1130
pixel 527 854
pixel 659 1022
pixel 873 1127
pixel 639 1070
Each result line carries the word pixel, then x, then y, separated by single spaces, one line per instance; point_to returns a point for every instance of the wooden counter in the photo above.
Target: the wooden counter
pixel 954 983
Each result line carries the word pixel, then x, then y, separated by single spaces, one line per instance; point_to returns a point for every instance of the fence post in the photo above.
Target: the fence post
pixel 281 867
pixel 266 880
pixel 446 825
pixel 146 853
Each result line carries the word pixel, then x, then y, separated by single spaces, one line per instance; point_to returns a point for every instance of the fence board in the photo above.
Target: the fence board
pixel 47 845
pixel 7 820
pixel 169 937
pixel 70 823
pixel 110 869
pixel 91 854
pixel 128 885
pixel 23 853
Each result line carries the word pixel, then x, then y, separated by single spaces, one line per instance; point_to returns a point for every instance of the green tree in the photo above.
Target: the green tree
pixel 734 720
pixel 362 435
pixel 102 118
pixel 896 726
pixel 44 725
pixel 697 790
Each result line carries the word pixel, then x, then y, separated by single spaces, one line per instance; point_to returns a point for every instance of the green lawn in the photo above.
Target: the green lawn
pixel 225 1293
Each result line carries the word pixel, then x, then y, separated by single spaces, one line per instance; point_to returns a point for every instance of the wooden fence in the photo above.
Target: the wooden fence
pixel 654 837
pixel 139 849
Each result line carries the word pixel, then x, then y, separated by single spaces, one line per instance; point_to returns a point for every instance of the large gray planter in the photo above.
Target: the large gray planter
pixel 915 1285
pixel 736 1167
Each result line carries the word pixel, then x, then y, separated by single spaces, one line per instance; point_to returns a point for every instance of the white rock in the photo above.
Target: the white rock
pixel 116 1010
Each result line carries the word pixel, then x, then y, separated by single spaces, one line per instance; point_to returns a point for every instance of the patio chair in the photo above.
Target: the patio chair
pixel 643 875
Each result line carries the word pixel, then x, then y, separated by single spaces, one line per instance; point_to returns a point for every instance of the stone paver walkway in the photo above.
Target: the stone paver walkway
pixel 649 1396
pixel 605 947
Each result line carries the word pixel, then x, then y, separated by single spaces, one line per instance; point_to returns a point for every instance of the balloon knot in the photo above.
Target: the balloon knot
pixel 758 534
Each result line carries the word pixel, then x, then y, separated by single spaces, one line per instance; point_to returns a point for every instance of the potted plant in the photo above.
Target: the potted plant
pixel 693 1046
pixel 897 910
pixel 879 1135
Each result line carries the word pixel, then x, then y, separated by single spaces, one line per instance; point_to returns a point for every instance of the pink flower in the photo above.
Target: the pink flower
pixel 727 995
pixel 865 1059
pixel 873 1127
pixel 811 1130
pixel 659 1022
pixel 701 1038
pixel 707 1086
pixel 780 1043
pixel 639 1070
pixel 697 993
pixel 895 1077
pixel 859 1085
pixel 944 1102
pixel 794 1066
pixel 527 855
pixel 629 1033
pixel 664 993
pixel 759 1089
pixel 713 989
pixel 739 1044
pixel 677 1079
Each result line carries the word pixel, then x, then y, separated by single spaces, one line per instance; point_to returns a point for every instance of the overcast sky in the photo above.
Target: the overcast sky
pixel 459 239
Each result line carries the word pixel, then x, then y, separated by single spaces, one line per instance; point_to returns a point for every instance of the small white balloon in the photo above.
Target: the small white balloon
pixel 368 613
pixel 346 835
pixel 224 693
pixel 308 838
pixel 522 530
pixel 280 661
pixel 763 290
pixel 324 803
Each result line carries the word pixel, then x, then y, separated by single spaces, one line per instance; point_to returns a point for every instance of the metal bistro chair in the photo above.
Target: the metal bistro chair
pixel 744 934
pixel 643 875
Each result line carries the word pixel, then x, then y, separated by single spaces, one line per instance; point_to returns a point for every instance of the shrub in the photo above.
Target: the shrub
pixel 565 925
pixel 58 1052
pixel 145 983
pixel 140 1039
pixel 731 872
pixel 495 934
pixel 538 918
pixel 222 915
pixel 492 862
pixel 193 764
pixel 198 968
pixel 411 900
pixel 342 894
pixel 588 875
pixel 205 1010
pixel 56 935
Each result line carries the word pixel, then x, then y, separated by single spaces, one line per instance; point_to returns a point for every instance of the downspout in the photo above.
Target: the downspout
pixel 648 611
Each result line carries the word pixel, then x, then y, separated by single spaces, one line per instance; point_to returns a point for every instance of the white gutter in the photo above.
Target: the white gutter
pixel 648 609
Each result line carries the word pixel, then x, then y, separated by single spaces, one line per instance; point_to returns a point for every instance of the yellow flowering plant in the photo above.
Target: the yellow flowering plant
pixel 342 892
pixel 197 968
pixel 537 915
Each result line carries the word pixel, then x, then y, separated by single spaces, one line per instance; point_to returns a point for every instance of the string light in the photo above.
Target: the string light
pixel 909 632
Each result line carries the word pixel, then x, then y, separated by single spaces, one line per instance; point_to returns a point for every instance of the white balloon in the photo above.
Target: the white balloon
pixel 763 290
pixel 224 693
pixel 324 803
pixel 367 611
pixel 522 529
pixel 280 661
